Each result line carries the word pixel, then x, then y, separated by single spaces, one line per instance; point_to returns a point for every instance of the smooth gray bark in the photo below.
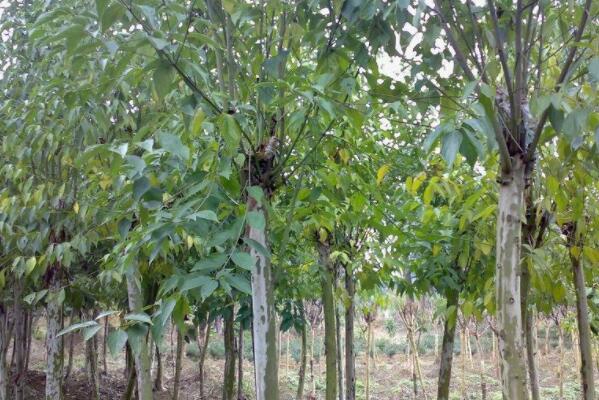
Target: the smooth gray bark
pixel 142 358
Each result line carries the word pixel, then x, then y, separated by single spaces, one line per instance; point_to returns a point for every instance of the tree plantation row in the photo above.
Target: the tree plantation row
pixel 355 178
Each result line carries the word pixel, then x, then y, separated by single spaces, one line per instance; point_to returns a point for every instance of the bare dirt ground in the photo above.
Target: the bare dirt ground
pixel 391 377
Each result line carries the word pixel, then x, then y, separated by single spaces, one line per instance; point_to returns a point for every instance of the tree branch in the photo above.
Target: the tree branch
pixel 562 76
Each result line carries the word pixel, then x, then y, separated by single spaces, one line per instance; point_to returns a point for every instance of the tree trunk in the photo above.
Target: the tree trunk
pixel 452 300
pixel 263 316
pixel 313 393
pixel 69 367
pixel 20 342
pixel 104 347
pixel 582 311
pixel 531 356
pixel 328 304
pixel 141 357
pixel 302 370
pixel 128 394
pixel 417 368
pixel 350 359
pixel 481 364
pixel 339 354
pixel 54 356
pixel 6 327
pixel 463 359
pixel 158 387
pixel 368 346
pixel 178 364
pixel 229 342
pixel 240 363
pixel 91 366
pixel 509 313
pixel 203 351
pixel 560 338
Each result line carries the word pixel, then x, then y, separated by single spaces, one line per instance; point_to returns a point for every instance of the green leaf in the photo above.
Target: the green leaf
pixel 139 317
pixel 431 139
pixel 140 187
pixel 208 289
pixel 204 214
pixel 90 331
pixel 450 145
pixel 256 193
pixel 258 247
pixel 256 220
pixel 231 134
pixel 30 265
pixel 137 335
pixel 163 77
pixel 239 283
pixel 173 145
pixel 194 282
pixel 74 327
pixel 104 314
pixel 196 124
pixel 210 263
pixel 116 341
pixel 243 260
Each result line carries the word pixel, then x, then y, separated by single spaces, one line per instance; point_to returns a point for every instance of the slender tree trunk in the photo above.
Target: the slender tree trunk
pixel 531 357
pixel 452 300
pixel 6 328
pixel 240 363
pixel 229 341
pixel 28 335
pixel 582 311
pixel 265 335
pixel 481 365
pixel 302 370
pixel 368 346
pixel 141 357
pixel 20 342
pixel 350 359
pixel 91 366
pixel 339 354
pixel 104 346
pixel 158 387
pixel 463 359
pixel 313 393
pixel 203 351
pixel 71 347
pixel 417 368
pixel 547 338
pixel 178 364
pixel 560 338
pixel 54 355
pixel 128 394
pixel 509 313
pixel 328 303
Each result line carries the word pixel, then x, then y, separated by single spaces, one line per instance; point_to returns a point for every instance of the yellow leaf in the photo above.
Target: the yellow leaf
pixel 189 242
pixel 436 249
pixel 575 251
pixel 344 154
pixel 76 208
pixel 417 182
pixel 30 265
pixel 196 124
pixel 2 280
pixel 105 182
pixel 380 174
pixel 427 196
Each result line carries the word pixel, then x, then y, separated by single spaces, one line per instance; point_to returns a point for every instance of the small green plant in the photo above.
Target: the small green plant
pixel 216 350
pixel 192 350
